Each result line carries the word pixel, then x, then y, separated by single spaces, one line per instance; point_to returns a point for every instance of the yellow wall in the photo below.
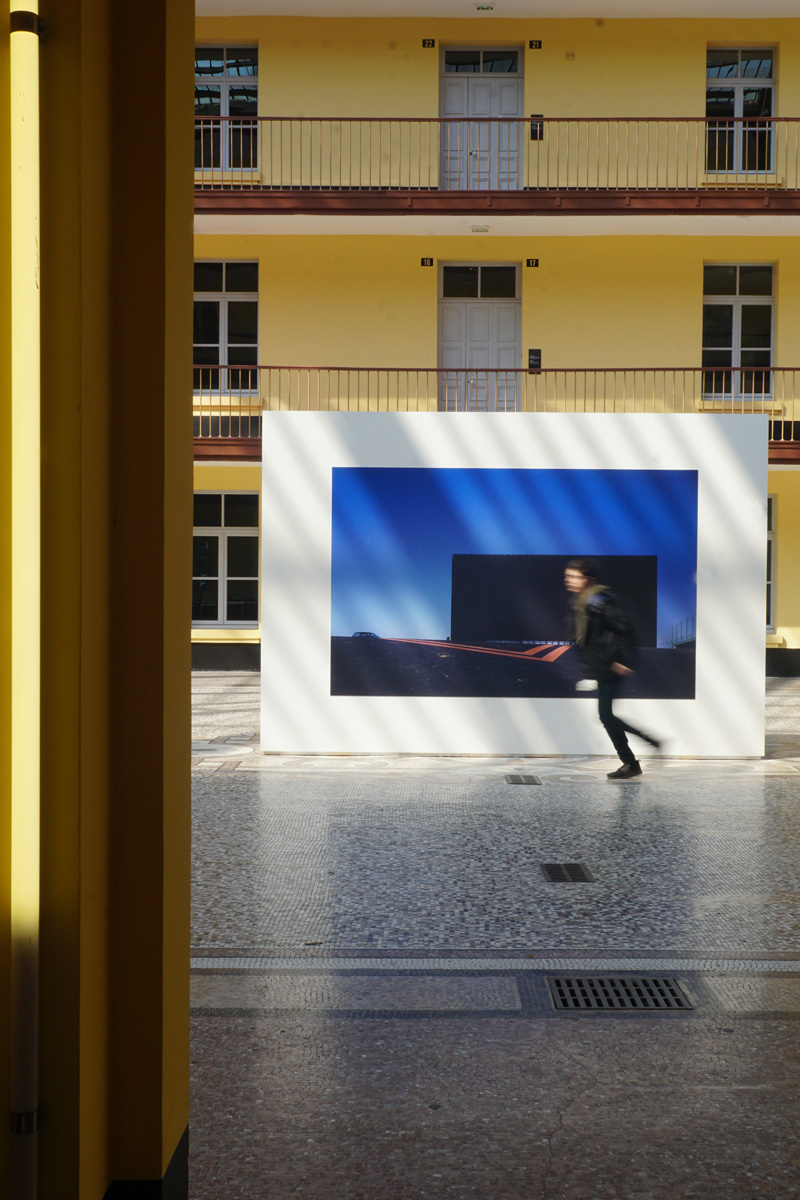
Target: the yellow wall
pixel 785 486
pixel 227 477
pixel 592 302
pixel 348 67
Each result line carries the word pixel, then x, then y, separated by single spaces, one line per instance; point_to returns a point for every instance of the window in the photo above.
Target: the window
pixel 481 62
pixel 473 282
pixel 770 564
pixel 225 558
pixel 737 330
pixel 225 326
pixel 226 86
pixel 740 94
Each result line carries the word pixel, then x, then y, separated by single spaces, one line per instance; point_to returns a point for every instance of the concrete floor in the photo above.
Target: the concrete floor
pixel 373 940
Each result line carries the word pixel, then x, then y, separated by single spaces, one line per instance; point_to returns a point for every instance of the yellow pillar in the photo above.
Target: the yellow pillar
pixel 116 130
pixel 5 597
pixel 25 585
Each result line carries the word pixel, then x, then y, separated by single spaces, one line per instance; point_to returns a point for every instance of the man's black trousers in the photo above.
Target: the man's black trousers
pixel 607 692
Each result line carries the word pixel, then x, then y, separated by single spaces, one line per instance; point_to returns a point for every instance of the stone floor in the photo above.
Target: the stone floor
pixel 375 945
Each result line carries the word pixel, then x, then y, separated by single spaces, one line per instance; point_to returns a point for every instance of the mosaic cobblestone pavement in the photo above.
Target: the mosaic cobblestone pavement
pixel 372 943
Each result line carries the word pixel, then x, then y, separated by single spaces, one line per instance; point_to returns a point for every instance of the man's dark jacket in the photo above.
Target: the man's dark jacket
pixel 609 636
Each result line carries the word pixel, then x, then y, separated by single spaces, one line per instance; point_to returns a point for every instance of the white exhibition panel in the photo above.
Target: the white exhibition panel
pixel 300 450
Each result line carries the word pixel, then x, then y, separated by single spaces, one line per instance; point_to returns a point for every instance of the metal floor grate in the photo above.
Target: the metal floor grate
pixel 566 873
pixel 617 992
pixel 522 779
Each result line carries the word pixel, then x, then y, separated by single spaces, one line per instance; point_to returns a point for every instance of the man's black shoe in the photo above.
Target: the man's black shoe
pixel 626 771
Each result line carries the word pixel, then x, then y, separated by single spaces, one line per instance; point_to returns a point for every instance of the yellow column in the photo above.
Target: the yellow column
pixel 115 442
pixel 25 591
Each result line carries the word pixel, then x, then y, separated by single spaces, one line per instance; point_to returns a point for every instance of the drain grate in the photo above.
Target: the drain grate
pixel 567 873
pixel 617 991
pixel 522 779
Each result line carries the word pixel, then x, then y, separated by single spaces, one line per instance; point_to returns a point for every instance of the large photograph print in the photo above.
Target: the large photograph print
pixel 450 582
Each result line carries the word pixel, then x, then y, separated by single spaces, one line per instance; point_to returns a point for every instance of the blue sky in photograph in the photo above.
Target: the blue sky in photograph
pixel 395 530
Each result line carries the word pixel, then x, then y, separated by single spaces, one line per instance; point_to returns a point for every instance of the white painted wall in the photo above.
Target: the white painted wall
pixel 299 715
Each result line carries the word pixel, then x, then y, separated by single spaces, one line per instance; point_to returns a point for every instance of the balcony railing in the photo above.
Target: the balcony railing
pixel 228 402
pixel 508 154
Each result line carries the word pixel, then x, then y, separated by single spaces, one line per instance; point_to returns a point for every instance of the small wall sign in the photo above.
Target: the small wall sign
pixel 531 262
pixel 534 360
pixel 534 45
pixel 426 262
pixel 537 127
pixel 429 43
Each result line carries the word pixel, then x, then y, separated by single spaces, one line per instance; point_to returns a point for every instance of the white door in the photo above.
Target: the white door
pixel 479 355
pixel 480 139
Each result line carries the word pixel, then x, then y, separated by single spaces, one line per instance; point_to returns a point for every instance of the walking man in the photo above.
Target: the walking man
pixel 607 652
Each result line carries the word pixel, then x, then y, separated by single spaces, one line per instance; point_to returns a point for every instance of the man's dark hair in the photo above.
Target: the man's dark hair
pixel 589 567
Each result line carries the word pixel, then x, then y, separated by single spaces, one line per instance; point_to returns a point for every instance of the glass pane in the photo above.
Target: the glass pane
pixel 722 64
pixel 719 281
pixel 242 557
pixel 756 326
pixel 717 383
pixel 498 281
pixel 717 325
pixel 205 556
pixel 242 322
pixel 207 511
pixel 770 514
pixel 755 280
pixel 757 64
pixel 209 60
pixel 206 144
pixel 242 101
pixel 205 381
pixel 720 103
pixel 757 102
pixel 206 356
pixel 206 101
pixel 242 381
pixel 459 281
pixel 500 62
pixel 243 600
pixel 756 384
pixel 462 61
pixel 241 277
pixel 208 277
pixel 204 600
pixel 206 322
pixel 241 510
pixel 242 60
pixel 757 147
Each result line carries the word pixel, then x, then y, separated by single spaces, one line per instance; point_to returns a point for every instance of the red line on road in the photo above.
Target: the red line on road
pixel 524 655
pixel 554 654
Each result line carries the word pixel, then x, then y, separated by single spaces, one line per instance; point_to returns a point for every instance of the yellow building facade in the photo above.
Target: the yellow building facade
pixel 624 190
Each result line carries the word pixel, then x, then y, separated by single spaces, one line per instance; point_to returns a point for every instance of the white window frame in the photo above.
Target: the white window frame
pixel 737 301
pixel 738 85
pixel 225 83
pixel 223 533
pixel 224 298
pixel 515 49
pixel 481 299
pixel 772 504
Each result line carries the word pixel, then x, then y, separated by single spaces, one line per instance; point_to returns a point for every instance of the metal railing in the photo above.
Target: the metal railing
pixel 683 633
pixel 508 154
pixel 228 401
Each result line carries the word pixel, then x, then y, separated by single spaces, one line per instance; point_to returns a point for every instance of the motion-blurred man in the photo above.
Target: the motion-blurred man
pixel 606 648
